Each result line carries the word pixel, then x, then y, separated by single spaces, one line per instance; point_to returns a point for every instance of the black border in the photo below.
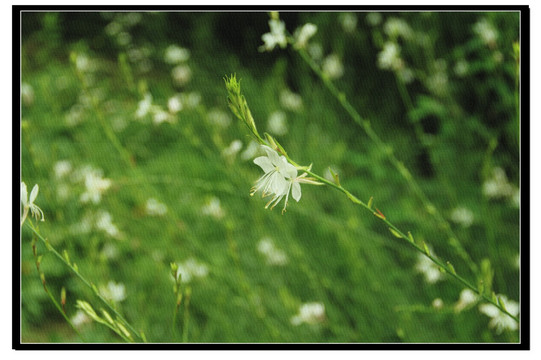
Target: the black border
pixel 524 343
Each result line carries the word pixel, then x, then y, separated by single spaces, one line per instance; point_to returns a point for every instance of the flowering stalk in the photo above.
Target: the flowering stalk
pixel 278 169
pixel 75 270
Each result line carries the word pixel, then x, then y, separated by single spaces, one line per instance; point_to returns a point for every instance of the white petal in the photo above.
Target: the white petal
pixel 279 185
pixel 273 155
pixel 24 194
pixel 288 170
pixel 296 191
pixel 34 193
pixel 264 163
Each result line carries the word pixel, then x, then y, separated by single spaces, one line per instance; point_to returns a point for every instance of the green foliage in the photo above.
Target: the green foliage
pixel 104 105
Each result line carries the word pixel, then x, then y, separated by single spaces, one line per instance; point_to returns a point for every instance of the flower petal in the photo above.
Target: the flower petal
pixel 264 163
pixel 296 191
pixel 24 194
pixel 278 184
pixel 34 194
pixel 288 170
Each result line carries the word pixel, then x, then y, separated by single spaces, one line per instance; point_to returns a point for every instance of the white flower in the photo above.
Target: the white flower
pixel 437 304
pixel 273 255
pixel 213 208
pixel 429 269
pixel 144 106
pixel 28 203
pixel 232 150
pixel 181 74
pixel 348 22
pixel 155 208
pixel 501 321
pixel 95 185
pixel 309 313
pixel 303 34
pixel 486 32
pixel 332 67
pixel 250 151
pixel 277 123
pixel 277 36
pixel 161 116
pixel 27 94
pixel 80 318
pixel 462 216
pixel 290 100
pixel 62 168
pixel 395 27
pixel 174 104
pixel 389 57
pixel 497 186
pixel 315 50
pixel 115 292
pixel 175 54
pixel 467 298
pixel 104 222
pixel 461 67
pixel 190 269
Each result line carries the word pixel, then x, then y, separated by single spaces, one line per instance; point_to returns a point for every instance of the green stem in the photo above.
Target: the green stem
pixel 388 151
pixel 83 279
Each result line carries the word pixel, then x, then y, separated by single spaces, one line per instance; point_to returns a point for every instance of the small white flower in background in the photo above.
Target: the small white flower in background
pixel 175 54
pixel 276 36
pixel 348 22
pixel 143 107
pixel 389 57
pixel 462 216
pixel 309 313
pixel 115 292
pixel 303 34
pixel 155 208
pixel 290 100
pixel 191 100
pixel 373 19
pixel 174 104
pixel 28 203
pixel 232 150
pixel 80 318
pixel 250 151
pixel 95 185
pixel 190 269
pixel 499 320
pixel 181 74
pixel 437 81
pixel 428 269
pixel 497 186
pixel 437 304
pixel 219 118
pixel 315 50
pixel 277 123
pixel 213 208
pixel 273 255
pixel 62 168
pixel 160 116
pixel 104 222
pixel 109 251
pixel 405 74
pixel 486 32
pixel 27 94
pixel 461 68
pixel 467 298
pixel 332 66
pixel 395 27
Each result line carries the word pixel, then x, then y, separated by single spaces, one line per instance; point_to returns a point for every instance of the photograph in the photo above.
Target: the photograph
pixel 271 176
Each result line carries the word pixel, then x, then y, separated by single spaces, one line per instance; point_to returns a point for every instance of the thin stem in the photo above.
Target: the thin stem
pixel 83 279
pixel 422 250
pixel 388 151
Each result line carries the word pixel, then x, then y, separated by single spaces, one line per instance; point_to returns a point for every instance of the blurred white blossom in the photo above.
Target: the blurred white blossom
pixel 486 31
pixel 348 22
pixel 467 298
pixel 462 216
pixel 497 186
pixel 428 269
pixel 395 28
pixel 113 291
pixel 290 100
pixel 213 208
pixel 303 34
pixel 250 151
pixel 309 313
pixel 181 74
pixel 155 208
pixel 80 318
pixel 174 104
pixel 104 222
pixel 232 150
pixel 332 66
pixel 190 269
pixel 277 123
pixel 62 168
pixel 461 68
pixel 276 36
pixel 437 304
pixel 95 184
pixel 389 57
pixel 219 118
pixel 499 320
pixel 143 107
pixel 373 18
pixel 273 255
pixel 315 50
pixel 27 94
pixel 175 54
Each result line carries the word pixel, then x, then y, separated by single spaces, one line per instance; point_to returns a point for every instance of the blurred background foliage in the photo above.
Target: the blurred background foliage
pixel 125 128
